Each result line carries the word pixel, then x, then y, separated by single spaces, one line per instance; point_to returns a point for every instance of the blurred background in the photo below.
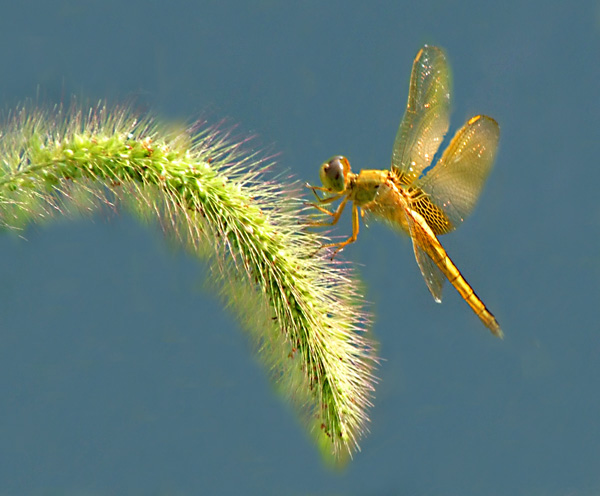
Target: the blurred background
pixel 121 374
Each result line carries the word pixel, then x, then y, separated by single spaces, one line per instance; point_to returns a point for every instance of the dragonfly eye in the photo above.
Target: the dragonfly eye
pixel 333 173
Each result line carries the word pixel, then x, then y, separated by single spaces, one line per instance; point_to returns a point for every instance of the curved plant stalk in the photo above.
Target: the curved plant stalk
pixel 210 194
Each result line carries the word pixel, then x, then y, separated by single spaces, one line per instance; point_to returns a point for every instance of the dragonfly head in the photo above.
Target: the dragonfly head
pixel 334 173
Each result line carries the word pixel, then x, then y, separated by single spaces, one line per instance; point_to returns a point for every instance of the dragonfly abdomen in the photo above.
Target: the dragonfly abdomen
pixel 468 294
pixel 434 250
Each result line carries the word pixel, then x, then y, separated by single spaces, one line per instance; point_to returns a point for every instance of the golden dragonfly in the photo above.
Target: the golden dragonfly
pixel 421 200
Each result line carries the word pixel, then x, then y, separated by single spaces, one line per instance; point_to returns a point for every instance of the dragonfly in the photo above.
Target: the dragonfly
pixel 421 200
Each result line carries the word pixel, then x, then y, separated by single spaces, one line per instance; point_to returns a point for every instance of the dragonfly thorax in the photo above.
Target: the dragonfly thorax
pixel 366 186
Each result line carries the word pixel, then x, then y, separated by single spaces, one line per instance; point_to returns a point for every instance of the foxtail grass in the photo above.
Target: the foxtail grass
pixel 219 199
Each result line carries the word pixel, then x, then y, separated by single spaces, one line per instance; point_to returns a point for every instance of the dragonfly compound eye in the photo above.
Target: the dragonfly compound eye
pixel 333 173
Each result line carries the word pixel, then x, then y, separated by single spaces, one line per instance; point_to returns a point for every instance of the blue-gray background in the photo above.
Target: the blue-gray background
pixel 120 374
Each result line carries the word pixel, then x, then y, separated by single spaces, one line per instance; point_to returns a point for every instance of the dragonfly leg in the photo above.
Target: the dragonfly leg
pixel 325 211
pixel 314 189
pixel 323 201
pixel 335 215
pixel 355 228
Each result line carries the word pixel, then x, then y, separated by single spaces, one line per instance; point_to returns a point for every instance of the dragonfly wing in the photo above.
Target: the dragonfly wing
pixel 426 118
pixel 434 278
pixel 456 181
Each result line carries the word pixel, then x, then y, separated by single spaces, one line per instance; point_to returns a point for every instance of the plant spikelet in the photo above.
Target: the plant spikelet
pixel 210 194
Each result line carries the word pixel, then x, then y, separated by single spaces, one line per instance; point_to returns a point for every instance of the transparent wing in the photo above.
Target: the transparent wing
pixel 390 206
pixel 434 278
pixel 456 181
pixel 426 118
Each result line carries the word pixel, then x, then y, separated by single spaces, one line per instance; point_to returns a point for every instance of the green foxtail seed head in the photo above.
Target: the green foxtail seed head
pixel 212 195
